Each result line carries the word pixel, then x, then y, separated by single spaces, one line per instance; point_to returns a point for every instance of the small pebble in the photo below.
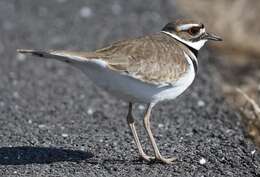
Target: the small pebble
pixel 253 152
pixel 20 57
pixel 82 96
pixel 124 104
pixel 41 126
pixel 65 135
pixel 202 161
pixel 141 107
pixel 29 121
pixel 201 103
pixel 90 111
pixel 160 125
pixel 2 104
pixel 15 82
pixel 85 12
pixel 16 95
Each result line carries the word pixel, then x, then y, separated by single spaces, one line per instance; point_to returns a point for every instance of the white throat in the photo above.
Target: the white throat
pixel 195 45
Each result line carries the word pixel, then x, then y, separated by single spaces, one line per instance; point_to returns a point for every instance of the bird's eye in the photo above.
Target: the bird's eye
pixel 194 31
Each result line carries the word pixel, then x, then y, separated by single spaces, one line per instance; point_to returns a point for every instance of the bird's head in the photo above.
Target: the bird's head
pixel 190 33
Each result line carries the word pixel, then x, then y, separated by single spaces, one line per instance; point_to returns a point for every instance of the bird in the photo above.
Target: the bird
pixel 148 69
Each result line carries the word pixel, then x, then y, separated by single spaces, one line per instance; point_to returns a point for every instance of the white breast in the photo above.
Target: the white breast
pixel 180 85
pixel 131 89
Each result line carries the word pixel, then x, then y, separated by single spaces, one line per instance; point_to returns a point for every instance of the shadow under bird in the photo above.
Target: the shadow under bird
pixel 147 69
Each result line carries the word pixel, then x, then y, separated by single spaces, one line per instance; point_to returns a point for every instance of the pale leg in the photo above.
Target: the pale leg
pixel 131 123
pixel 147 126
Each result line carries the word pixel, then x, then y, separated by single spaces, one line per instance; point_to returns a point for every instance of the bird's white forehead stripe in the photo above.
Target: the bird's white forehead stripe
pixel 187 26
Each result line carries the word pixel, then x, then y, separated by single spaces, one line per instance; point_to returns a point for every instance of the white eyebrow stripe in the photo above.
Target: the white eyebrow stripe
pixel 195 45
pixel 187 26
pixel 202 30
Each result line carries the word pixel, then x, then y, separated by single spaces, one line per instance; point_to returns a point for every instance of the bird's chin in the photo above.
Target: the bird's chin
pixel 198 44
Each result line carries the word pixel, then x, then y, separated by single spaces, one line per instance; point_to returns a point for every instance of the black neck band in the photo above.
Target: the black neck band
pixel 195 52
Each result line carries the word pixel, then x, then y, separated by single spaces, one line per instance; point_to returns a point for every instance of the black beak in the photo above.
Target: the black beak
pixel 212 37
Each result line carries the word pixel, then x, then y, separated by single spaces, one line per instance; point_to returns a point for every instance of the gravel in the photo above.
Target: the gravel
pixel 55 122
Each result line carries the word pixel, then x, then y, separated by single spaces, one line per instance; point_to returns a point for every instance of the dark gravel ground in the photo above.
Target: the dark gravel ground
pixel 55 122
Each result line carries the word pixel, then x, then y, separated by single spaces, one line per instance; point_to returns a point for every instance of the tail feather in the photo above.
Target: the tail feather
pixel 59 55
pixel 38 53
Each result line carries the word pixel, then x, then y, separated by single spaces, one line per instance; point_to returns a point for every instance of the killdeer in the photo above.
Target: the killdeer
pixel 147 69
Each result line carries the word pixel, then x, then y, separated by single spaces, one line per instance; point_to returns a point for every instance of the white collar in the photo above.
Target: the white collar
pixel 195 45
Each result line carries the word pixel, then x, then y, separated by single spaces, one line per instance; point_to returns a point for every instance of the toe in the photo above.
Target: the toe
pixel 167 160
pixel 172 159
pixel 147 158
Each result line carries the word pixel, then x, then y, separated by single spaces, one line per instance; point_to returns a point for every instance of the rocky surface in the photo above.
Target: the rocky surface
pixel 55 122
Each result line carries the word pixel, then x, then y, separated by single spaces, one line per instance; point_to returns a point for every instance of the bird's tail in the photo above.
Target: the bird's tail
pixel 58 55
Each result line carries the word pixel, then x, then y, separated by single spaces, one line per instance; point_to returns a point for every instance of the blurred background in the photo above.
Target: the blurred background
pixel 238 61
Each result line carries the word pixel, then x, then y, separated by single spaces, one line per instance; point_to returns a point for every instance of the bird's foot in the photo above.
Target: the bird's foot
pixel 166 160
pixel 146 157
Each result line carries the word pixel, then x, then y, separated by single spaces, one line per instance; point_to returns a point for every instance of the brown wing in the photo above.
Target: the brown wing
pixel 156 58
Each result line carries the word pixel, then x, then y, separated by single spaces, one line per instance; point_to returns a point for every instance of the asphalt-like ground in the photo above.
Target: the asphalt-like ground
pixel 55 122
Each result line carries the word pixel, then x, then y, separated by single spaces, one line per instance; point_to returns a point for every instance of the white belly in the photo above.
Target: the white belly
pixel 133 90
